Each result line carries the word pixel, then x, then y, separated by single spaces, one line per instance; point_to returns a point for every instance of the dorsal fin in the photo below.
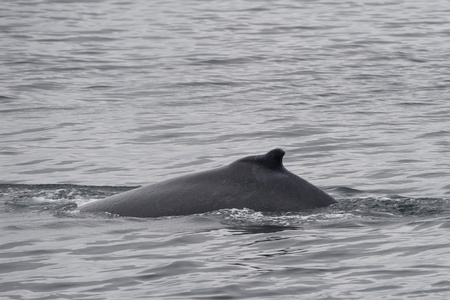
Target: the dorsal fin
pixel 272 160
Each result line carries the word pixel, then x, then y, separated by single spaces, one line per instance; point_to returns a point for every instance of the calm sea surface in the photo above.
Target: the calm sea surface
pixel 97 97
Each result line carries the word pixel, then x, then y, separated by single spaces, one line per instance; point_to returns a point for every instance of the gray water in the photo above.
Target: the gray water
pixel 97 97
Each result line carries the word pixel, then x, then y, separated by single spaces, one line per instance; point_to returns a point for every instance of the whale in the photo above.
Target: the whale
pixel 260 183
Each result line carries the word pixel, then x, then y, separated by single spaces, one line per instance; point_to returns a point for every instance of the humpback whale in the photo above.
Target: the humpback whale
pixel 259 182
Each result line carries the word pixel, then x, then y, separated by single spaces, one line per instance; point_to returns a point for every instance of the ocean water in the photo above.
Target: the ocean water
pixel 97 97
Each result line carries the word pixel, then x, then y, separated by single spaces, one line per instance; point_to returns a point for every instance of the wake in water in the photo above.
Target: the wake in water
pixel 350 211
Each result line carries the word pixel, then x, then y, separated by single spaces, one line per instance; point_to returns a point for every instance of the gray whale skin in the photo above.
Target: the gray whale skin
pixel 260 183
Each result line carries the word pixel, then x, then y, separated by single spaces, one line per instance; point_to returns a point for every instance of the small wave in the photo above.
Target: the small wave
pixel 394 205
pixel 345 191
pixel 51 197
pixel 348 212
pixel 253 221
